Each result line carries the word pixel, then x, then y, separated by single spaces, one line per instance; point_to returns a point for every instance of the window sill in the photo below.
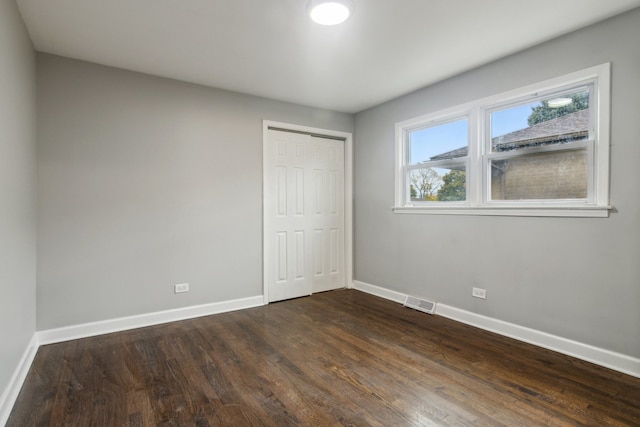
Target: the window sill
pixel 537 211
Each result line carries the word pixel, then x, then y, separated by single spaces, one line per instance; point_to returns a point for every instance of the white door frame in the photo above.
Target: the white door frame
pixel 348 195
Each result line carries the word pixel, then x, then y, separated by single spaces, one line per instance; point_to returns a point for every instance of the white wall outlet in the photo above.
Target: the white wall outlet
pixel 479 293
pixel 182 287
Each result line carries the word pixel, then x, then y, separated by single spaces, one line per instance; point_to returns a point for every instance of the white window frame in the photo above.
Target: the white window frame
pixel 479 153
pixel 448 117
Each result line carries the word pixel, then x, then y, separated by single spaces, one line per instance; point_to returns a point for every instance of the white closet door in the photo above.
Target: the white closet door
pixel 304 214
pixel 327 218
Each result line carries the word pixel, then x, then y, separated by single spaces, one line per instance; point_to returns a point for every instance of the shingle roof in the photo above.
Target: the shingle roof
pixel 571 127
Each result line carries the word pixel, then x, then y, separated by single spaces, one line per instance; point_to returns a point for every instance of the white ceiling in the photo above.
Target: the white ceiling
pixel 270 48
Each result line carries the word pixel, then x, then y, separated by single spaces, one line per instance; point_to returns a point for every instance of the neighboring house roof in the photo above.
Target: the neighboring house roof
pixel 571 127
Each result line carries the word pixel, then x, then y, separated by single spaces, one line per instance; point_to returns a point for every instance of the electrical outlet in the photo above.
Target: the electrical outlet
pixel 183 287
pixel 479 293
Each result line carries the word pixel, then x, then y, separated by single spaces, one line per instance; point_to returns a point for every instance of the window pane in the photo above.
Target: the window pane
pixel 444 141
pixel 552 175
pixel 438 184
pixel 558 119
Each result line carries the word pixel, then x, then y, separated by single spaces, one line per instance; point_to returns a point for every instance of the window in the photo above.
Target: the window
pixel 542 150
pixel 437 158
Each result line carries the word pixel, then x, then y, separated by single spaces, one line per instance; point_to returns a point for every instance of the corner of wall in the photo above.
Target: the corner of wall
pixel 10 394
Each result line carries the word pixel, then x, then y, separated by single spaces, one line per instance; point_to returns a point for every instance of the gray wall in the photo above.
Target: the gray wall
pixel 575 278
pixel 146 182
pixel 17 190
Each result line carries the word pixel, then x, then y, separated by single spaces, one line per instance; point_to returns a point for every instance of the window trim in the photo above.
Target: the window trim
pixel 477 112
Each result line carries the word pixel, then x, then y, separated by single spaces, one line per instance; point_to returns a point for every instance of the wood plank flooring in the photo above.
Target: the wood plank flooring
pixel 336 358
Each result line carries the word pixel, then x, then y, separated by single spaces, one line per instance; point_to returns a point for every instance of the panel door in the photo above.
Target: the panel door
pixel 304 214
pixel 327 216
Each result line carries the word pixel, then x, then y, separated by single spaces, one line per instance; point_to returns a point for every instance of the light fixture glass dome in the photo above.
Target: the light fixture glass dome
pixel 330 12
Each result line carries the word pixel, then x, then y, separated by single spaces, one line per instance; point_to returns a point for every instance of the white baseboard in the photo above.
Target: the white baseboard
pixel 609 359
pixel 125 323
pixel 10 394
pixel 379 292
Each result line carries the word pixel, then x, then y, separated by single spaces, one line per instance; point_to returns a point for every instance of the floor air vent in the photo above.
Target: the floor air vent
pixel 420 304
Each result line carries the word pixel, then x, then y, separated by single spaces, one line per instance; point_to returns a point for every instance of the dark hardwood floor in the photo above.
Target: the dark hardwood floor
pixel 336 358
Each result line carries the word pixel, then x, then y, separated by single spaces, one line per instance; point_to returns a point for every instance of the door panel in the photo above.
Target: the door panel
pixel 304 214
pixel 328 218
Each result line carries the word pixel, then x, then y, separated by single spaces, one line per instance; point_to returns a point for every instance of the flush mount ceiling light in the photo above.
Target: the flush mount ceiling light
pixel 559 102
pixel 329 12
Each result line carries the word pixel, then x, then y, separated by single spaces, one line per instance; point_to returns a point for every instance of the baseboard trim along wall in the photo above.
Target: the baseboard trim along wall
pixel 10 394
pixel 139 321
pixel 609 359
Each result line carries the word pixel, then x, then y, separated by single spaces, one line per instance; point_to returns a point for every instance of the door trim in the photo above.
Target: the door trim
pixel 348 194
